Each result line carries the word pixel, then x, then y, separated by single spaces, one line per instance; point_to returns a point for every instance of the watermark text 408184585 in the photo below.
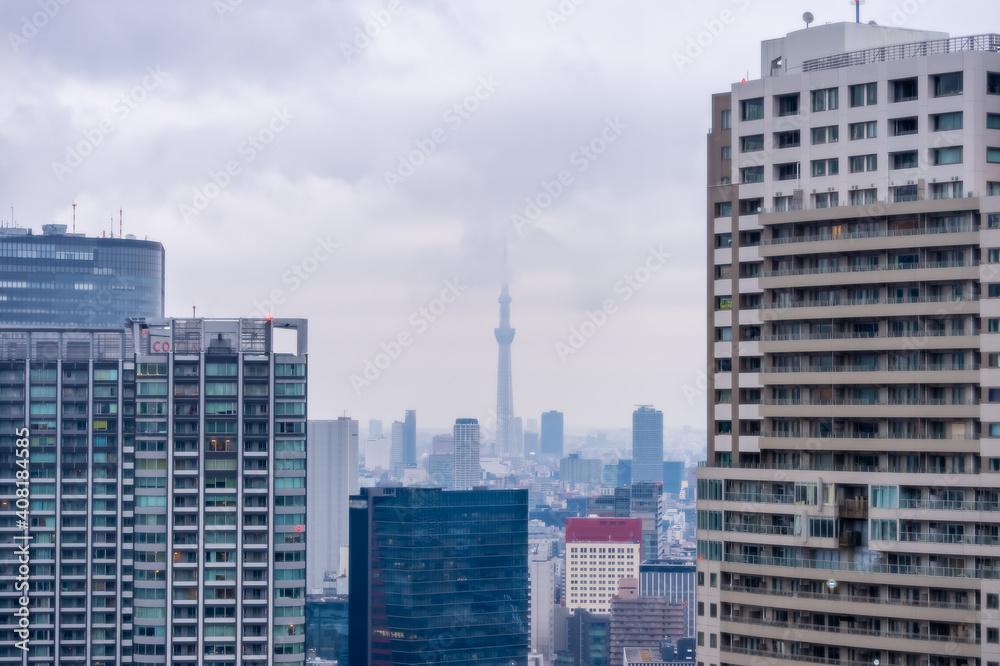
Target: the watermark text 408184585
pixel 23 492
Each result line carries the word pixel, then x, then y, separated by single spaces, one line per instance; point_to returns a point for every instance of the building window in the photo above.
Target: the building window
pixel 752 109
pixel 903 126
pixel 830 167
pixel 788 105
pixel 993 256
pixel 864 94
pixel 993 326
pixel 827 99
pixel 993 601
pixel 945 122
pixel 993 121
pixel 863 163
pixel 827 199
pixel 727 119
pixel 713 579
pixel 723 240
pixel 952 190
pixel 904 193
pixel 752 143
pixel 787 171
pixel 713 610
pixel 948 84
pixel 713 640
pixel 905 160
pixel 724 209
pixel 754 174
pixel 864 197
pixel 993 221
pixel 992 635
pixel 701 579
pixel 951 155
pixel 828 134
pixel 725 333
pixel 701 608
pixel 992 190
pixel 724 427
pixel 993 83
pixel 727 152
pixel 723 396
pixel 993 155
pixel 904 90
pixel 787 139
pixel 865 130
pixel 701 639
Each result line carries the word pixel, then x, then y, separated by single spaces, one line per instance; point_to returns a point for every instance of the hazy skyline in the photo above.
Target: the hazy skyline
pixel 291 163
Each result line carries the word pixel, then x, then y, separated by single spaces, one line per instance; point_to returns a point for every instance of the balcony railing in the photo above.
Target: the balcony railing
pixel 883 233
pixel 862 301
pixel 866 469
pixel 827 597
pixel 759 498
pixel 968 539
pixel 865 336
pixel 827 270
pixel 780 530
pixel 948 505
pixel 863 567
pixel 970 639
pixel 878 367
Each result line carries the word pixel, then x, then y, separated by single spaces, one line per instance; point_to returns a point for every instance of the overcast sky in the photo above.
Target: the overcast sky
pixel 356 162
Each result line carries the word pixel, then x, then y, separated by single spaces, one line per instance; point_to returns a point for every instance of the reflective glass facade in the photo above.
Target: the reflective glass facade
pixel 70 280
pixel 439 577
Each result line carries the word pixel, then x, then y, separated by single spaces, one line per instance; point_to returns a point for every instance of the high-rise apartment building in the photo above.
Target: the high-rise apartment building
pixel 599 553
pixel 647 444
pixel 643 620
pixel 848 509
pixel 646 504
pixel 552 434
pixel 332 465
pixel 374 428
pixel 410 439
pixel 441 470
pixel 673 579
pixel 468 471
pixel 542 574
pixel 398 437
pixel 167 491
pixel 439 577
pixel 66 279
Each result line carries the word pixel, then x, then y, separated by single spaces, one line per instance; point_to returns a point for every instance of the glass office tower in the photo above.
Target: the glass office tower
pixel 439 577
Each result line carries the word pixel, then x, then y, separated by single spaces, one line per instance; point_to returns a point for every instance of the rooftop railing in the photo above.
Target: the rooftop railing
pixel 988 42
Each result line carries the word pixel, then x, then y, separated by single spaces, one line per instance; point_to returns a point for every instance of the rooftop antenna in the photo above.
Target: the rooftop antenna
pixel 194 311
pixel 74 217
pixel 808 18
pixel 857 10
pixel 120 234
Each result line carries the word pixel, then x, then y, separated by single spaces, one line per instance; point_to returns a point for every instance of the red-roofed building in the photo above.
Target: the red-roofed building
pixel 599 553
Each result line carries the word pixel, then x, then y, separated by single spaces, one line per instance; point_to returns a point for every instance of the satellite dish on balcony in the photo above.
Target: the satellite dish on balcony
pixel 808 18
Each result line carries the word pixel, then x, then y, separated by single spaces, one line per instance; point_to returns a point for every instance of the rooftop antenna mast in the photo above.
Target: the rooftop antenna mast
pixel 74 217
pixel 120 234
pixel 857 10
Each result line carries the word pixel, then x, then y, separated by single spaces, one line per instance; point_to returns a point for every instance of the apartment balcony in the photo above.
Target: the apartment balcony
pixel 793 441
pixel 961 644
pixel 868 307
pixel 759 498
pixel 874 210
pixel 797 278
pixel 860 409
pixel 924 339
pixel 862 571
pixel 922 373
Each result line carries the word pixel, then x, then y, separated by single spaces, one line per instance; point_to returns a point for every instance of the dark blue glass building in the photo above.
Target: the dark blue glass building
pixel 439 577
pixel 60 279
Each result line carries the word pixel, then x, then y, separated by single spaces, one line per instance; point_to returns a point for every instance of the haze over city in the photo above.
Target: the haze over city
pixel 293 164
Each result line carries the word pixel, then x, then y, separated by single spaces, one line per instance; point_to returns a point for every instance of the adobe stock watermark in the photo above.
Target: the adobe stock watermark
pixel 224 7
pixel 121 108
pixel 581 158
pixel 562 13
pixel 296 275
pixel 31 26
pixel 419 321
pixel 454 117
pixel 365 33
pixel 696 45
pixel 246 152
pixel 626 288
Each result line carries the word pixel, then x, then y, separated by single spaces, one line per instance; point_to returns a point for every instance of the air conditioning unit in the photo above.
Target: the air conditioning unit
pixel 777 194
pixel 933 180
pixel 909 182
pixel 736 608
pixel 854 187
pixel 954 177
pixel 736 580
